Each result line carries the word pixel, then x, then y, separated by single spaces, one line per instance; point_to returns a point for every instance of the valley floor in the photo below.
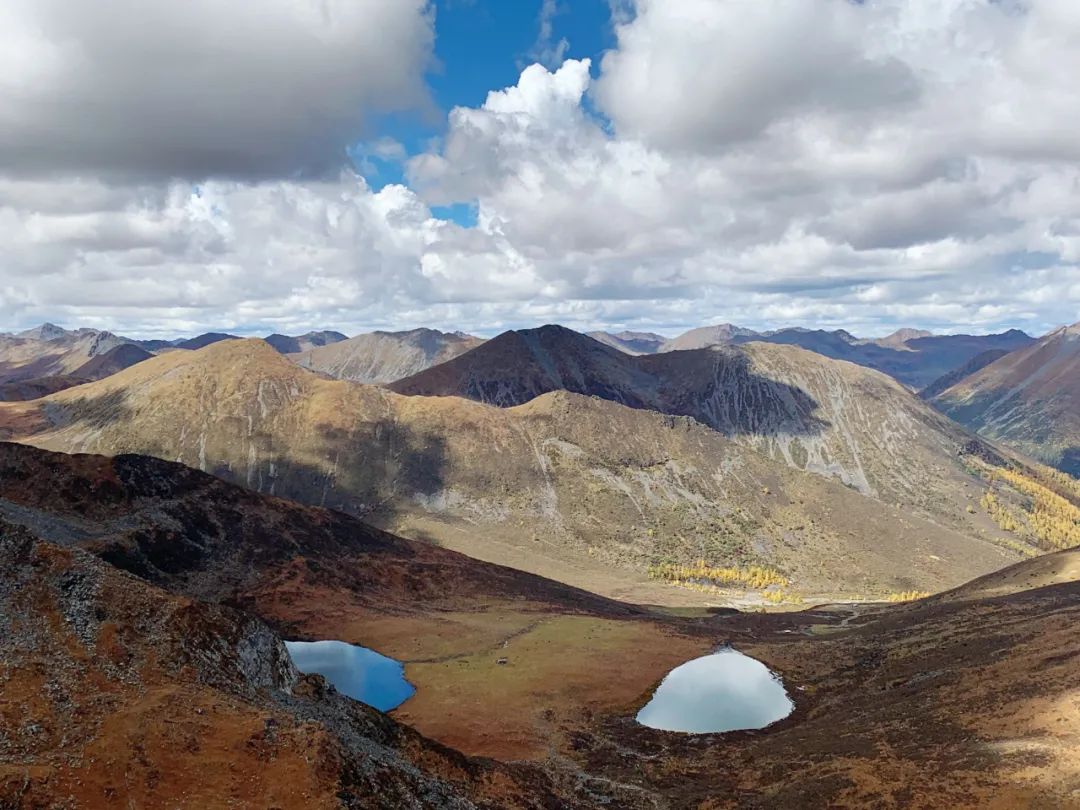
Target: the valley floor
pixel 967 699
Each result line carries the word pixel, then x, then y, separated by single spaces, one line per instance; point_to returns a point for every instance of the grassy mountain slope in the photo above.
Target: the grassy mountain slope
pixel 947 381
pixel 382 357
pixel 1029 399
pixel 541 486
pixel 828 417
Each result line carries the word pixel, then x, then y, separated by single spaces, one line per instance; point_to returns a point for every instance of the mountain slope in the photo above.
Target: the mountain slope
pixel 916 363
pixel 36 388
pixel 119 357
pixel 152 607
pixel 915 358
pixel 813 413
pixel 950 379
pixel 541 487
pixel 287 344
pixel 61 353
pixel 382 357
pixel 518 366
pixel 116 359
pixel 1029 399
pixel 170 688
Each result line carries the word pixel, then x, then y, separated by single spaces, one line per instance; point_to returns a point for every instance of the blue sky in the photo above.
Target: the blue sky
pixel 482 46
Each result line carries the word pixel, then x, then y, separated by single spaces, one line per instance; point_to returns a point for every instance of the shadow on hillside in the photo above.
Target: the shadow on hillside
pixel 366 471
pixel 94 412
pixel 1070 462
pixel 388 460
pixel 721 389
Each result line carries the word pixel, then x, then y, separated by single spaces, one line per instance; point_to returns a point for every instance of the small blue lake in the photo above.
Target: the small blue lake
pixel 357 672
pixel 725 691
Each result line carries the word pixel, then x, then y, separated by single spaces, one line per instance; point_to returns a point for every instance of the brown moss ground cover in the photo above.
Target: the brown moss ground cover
pixel 960 700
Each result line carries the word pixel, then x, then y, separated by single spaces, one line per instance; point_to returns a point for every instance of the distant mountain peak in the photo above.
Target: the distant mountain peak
pixel 705 336
pixel 383 357
pixel 901 336
pixel 46 331
pixel 289 344
pixel 631 342
pixel 908 333
pixel 204 340
pixel 627 334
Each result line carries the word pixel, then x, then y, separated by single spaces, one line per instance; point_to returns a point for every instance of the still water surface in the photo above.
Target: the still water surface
pixel 358 672
pixel 725 691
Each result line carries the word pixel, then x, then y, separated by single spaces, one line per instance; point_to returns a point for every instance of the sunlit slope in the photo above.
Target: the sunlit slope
pixel 383 357
pixel 617 487
pixel 1029 399
pixel 813 413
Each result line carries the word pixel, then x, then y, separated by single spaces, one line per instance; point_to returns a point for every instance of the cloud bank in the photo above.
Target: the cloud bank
pixel 820 162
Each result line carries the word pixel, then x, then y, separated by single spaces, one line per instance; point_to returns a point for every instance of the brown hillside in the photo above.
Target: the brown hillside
pixel 118 693
pixel 1029 399
pixel 541 487
pixel 171 688
pixel 383 357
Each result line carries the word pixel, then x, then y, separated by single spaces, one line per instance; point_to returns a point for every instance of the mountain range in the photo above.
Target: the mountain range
pixel 800 408
pixel 914 357
pixel 48 351
pixel 515 520
pixel 31 368
pixel 47 359
pixel 541 486
pixel 1029 399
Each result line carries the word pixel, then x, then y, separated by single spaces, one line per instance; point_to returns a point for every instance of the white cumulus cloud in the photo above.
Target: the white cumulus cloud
pixel 174 167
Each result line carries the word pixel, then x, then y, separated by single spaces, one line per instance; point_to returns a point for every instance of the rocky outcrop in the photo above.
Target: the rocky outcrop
pixel 118 691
